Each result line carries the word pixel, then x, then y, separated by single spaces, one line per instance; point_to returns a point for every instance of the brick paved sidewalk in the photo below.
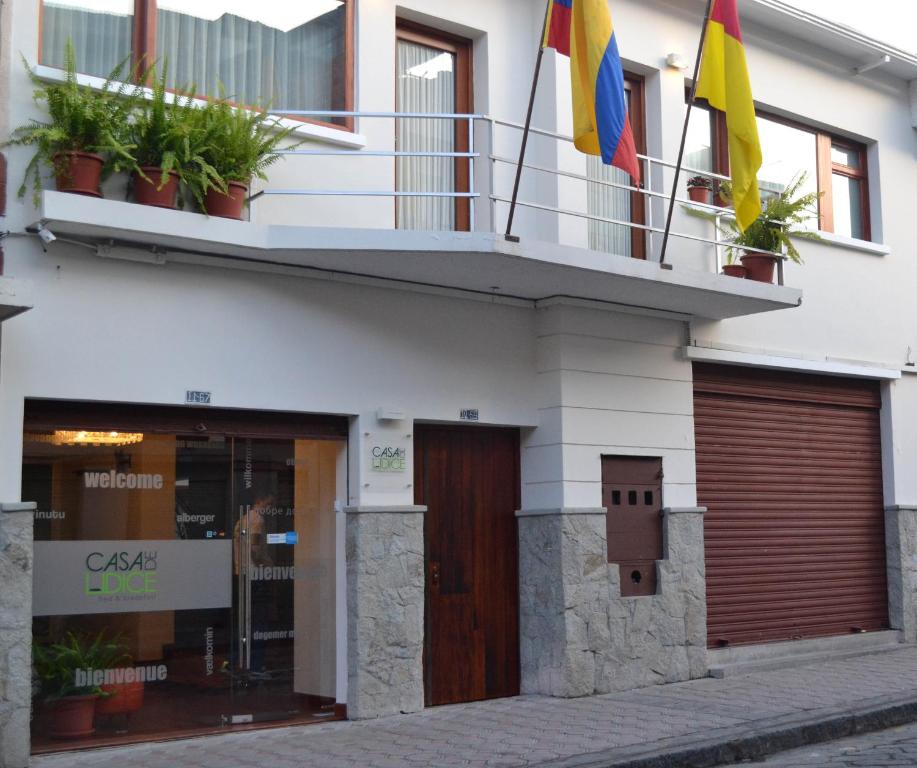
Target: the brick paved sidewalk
pixel 631 728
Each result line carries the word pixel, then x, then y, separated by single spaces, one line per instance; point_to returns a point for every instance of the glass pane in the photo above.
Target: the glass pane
pixel 205 565
pixel 845 156
pixel 100 30
pixel 848 206
pixel 699 144
pixel 609 203
pixel 787 151
pixel 426 83
pixel 274 52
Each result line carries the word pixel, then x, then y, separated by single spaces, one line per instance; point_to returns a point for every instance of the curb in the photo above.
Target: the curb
pixel 754 740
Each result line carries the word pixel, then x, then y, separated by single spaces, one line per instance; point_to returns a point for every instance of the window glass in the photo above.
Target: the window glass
pixel 100 30
pixel 845 156
pixel 787 151
pixel 848 208
pixel 609 203
pixel 426 83
pixel 196 574
pixel 288 55
pixel 699 142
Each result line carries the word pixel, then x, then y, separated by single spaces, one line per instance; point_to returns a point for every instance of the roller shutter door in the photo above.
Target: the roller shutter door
pixel 789 467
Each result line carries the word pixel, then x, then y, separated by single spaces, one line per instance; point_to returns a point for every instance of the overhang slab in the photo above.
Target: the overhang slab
pixel 478 262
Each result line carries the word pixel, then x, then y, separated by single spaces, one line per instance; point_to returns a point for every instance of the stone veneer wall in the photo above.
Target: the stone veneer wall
pixel 15 633
pixel 385 611
pixel 901 557
pixel 578 635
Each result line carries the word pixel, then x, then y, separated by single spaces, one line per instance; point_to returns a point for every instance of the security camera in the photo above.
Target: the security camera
pixel 46 235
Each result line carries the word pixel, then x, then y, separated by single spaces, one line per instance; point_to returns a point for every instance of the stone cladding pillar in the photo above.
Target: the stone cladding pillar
pixel 15 633
pixel 901 558
pixel 563 598
pixel 385 610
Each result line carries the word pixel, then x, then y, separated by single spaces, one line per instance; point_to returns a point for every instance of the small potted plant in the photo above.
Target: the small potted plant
pixel 732 269
pixel 84 136
pixel 700 190
pixel 65 670
pixel 237 145
pixel 769 237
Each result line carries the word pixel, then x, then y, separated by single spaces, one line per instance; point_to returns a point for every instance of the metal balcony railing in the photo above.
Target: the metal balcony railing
pixel 657 176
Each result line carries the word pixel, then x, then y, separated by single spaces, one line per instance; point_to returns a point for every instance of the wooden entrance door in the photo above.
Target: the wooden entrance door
pixel 468 477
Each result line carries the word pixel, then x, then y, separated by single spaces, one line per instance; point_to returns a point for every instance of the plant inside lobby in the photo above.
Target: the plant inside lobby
pixel 59 667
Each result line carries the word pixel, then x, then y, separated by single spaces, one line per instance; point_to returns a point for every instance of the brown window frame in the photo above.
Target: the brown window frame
pixel 143 50
pixel 636 85
pixel 463 50
pixel 826 167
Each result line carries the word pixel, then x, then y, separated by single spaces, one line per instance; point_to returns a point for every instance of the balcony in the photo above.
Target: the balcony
pixel 550 259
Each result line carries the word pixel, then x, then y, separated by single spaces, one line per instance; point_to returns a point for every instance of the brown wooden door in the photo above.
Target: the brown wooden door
pixel 789 467
pixel 468 477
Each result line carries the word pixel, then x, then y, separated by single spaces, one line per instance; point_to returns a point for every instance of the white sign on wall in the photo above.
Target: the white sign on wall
pixel 85 577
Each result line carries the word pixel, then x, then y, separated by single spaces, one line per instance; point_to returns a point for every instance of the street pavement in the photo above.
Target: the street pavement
pixel 697 723
pixel 895 748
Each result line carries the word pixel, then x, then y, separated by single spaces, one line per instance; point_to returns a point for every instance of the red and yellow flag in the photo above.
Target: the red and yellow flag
pixel 724 83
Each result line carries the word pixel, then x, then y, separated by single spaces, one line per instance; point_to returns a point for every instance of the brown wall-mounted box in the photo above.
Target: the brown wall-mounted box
pixel 632 494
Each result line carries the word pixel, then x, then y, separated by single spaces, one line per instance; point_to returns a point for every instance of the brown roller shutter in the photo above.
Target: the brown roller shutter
pixel 789 467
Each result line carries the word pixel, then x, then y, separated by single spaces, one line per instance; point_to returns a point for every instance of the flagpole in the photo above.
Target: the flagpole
pixel 528 126
pixel 684 132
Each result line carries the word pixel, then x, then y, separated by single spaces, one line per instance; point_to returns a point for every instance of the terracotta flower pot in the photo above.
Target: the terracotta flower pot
pixel 72 716
pixel 122 697
pixel 700 195
pixel 760 266
pixel 735 270
pixel 148 192
pixel 228 206
pixel 79 172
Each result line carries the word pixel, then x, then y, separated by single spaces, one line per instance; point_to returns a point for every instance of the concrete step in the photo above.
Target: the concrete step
pixel 744 660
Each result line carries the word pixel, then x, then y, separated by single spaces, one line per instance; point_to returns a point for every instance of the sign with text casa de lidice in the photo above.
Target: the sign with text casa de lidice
pixel 84 577
pixel 388 457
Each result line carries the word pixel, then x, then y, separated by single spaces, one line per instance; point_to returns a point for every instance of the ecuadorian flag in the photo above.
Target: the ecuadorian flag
pixel 582 30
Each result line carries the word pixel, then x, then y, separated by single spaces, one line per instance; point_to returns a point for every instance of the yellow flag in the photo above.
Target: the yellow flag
pixel 725 84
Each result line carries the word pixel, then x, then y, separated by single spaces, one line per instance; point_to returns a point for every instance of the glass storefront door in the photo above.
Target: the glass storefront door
pixel 182 582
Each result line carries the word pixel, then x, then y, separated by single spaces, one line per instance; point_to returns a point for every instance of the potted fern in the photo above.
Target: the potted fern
pixel 781 216
pixel 166 142
pixel 237 145
pixel 84 136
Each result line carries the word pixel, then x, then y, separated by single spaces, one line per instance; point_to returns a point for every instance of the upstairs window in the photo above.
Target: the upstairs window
pixel 834 166
pixel 613 202
pixel 285 54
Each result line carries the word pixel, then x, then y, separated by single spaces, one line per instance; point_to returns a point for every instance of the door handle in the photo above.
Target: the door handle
pixel 434 574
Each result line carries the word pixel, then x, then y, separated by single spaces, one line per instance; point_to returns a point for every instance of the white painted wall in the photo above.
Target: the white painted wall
pixel 117 331
pixel 611 384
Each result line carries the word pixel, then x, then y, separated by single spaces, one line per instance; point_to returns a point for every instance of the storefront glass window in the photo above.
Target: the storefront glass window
pixel 183 583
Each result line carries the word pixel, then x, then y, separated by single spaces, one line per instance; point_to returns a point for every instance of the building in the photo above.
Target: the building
pixel 361 454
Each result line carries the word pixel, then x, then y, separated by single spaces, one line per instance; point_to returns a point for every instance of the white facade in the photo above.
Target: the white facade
pixel 579 378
